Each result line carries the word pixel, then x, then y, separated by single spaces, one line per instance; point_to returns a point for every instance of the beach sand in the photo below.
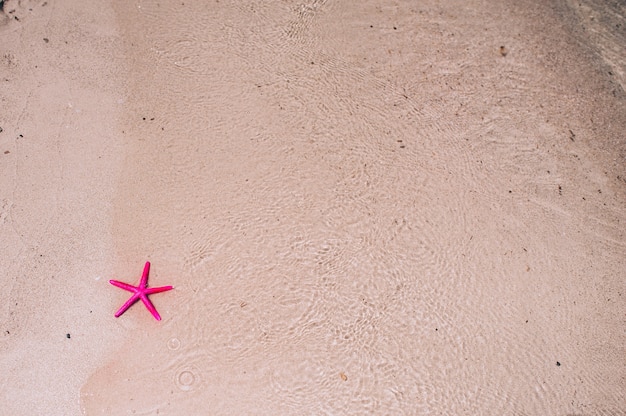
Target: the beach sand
pixel 364 207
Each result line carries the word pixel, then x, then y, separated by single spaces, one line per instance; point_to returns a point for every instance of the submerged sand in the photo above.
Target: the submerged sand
pixel 364 207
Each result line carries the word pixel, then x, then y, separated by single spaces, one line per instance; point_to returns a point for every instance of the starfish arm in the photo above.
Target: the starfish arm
pixel 144 276
pixel 127 305
pixel 152 290
pixel 123 285
pixel 150 307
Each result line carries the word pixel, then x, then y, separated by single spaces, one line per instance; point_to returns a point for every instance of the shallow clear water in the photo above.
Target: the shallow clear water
pixel 367 208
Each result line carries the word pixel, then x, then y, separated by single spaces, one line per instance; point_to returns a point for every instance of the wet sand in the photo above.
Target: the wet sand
pixel 364 208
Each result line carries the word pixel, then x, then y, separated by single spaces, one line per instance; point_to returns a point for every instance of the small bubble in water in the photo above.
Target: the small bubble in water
pixel 185 380
pixel 173 344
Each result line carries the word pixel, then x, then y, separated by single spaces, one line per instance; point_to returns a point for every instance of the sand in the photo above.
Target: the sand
pixel 364 207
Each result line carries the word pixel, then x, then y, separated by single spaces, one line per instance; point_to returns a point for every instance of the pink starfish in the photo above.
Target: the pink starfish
pixel 140 292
